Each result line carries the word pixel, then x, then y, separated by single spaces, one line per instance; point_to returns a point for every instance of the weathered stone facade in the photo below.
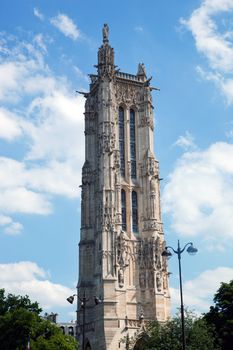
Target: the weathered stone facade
pixel 121 230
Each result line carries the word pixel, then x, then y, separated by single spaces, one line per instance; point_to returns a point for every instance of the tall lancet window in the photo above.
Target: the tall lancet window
pixel 123 209
pixel 122 140
pixel 133 145
pixel 135 211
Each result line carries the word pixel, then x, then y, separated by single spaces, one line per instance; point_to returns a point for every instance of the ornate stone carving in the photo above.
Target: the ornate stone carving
pixel 116 159
pixel 146 121
pixel 123 251
pixel 150 165
pixel 90 123
pixel 121 277
pixel 148 254
pixel 122 255
pixel 151 279
pixel 165 281
pixel 142 279
pixel 129 168
pixel 107 139
pixel 106 67
pixel 141 70
pixel 127 93
pixel 159 281
pixel 129 323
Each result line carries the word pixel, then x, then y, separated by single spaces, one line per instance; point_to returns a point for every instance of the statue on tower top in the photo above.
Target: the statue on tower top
pixel 105 33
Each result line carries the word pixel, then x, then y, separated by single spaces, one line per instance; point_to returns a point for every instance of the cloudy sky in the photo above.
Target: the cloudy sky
pixel 47 50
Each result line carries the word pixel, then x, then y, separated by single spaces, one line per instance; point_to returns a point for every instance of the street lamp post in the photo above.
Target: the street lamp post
pixel 83 305
pixel 83 302
pixel 191 250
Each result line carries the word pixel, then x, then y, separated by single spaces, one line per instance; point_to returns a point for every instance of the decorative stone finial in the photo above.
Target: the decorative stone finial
pixel 105 33
pixel 141 70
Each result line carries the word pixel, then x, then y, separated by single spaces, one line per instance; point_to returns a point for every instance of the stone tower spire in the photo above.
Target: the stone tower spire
pixel 121 227
pixel 106 56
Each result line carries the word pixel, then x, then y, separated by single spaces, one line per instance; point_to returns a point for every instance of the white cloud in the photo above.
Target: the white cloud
pixel 10 73
pixel 42 111
pixel 209 41
pixel 39 40
pixel 21 63
pixel 14 229
pixel 223 83
pixel 80 74
pixel 199 292
pixel 10 127
pixel 216 45
pixel 23 189
pixel 27 278
pixel 198 196
pixel 66 26
pixel 60 120
pixel 9 226
pixel 38 14
pixel 185 141
pixel 22 200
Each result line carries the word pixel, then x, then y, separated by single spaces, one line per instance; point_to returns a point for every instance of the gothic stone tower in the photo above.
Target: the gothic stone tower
pixel 121 230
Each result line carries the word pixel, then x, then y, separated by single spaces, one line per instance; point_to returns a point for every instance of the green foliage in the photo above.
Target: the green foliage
pixel 220 316
pixel 51 338
pixel 19 320
pixel 167 336
pixel 12 302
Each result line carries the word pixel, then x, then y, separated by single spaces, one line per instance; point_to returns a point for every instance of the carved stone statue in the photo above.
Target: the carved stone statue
pixel 105 33
pixel 122 250
pixel 165 281
pixel 121 278
pixel 158 282
pixel 151 279
pixel 142 279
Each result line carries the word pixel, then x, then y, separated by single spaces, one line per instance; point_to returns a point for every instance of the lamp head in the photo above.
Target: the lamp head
pixel 70 299
pixel 192 250
pixel 167 253
pixel 97 300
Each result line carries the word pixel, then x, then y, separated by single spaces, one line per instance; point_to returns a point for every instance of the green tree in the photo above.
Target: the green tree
pixel 221 315
pixel 167 336
pixel 19 320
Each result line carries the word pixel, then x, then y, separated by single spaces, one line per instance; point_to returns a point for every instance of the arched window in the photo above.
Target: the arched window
pixel 133 145
pixel 123 209
pixel 88 346
pixel 134 211
pixel 122 140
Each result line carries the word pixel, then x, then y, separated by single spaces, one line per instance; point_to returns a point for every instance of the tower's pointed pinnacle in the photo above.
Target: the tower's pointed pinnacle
pixel 106 65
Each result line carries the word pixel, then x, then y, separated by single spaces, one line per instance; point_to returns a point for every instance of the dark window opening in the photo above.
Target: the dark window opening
pixel 134 211
pixel 133 145
pixel 122 140
pixel 123 209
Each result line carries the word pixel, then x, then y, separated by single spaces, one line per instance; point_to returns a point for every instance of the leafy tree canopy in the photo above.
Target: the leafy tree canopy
pixel 221 316
pixel 167 336
pixel 19 320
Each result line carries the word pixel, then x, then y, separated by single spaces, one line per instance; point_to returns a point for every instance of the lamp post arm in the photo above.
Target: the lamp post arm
pixel 186 245
pixel 169 247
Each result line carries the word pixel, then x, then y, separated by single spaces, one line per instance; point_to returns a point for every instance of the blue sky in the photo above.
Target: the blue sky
pixel 47 50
